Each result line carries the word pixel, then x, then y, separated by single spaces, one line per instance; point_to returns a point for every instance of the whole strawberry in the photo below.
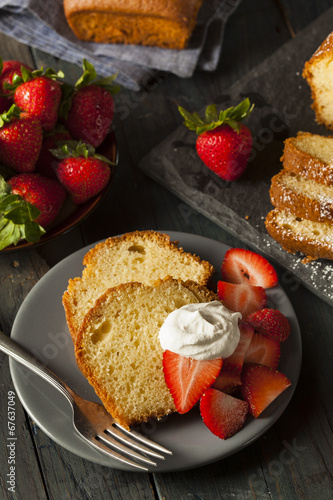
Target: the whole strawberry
pixel 81 171
pixel 20 139
pixel 7 71
pixel 45 194
pixel 223 143
pixel 87 109
pixel 39 95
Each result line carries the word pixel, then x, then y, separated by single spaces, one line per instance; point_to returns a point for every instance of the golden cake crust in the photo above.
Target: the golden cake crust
pixel 162 23
pixel 298 203
pixel 143 256
pixel 323 54
pixel 302 163
pixel 294 241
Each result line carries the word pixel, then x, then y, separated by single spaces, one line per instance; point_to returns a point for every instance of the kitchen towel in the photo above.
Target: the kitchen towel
pixel 43 25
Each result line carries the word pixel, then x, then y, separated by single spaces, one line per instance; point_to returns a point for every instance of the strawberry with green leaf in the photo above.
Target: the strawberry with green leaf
pixel 87 109
pixel 17 218
pixel 21 138
pixel 7 71
pixel 81 171
pixel 43 193
pixel 224 144
pixel 39 94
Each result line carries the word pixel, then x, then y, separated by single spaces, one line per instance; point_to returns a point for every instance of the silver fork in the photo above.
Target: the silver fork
pixel 93 423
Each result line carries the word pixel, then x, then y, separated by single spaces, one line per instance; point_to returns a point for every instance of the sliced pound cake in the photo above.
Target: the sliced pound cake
pixel 318 72
pixel 142 256
pixel 302 197
pixel 311 156
pixel 314 239
pixel 118 350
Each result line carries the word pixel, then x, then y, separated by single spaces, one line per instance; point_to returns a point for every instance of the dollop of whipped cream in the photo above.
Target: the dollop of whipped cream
pixel 201 331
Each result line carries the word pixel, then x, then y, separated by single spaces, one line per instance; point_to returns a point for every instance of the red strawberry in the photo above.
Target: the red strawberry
pixel 91 115
pixel 261 386
pixel 44 193
pixel 227 380
pixel 20 139
pixel 87 109
pixel 270 322
pixel 223 143
pixel 9 70
pixel 39 95
pixel 244 266
pixel 47 163
pixel 264 351
pixel 236 360
pixel 82 172
pixel 242 297
pixel 223 414
pixel 188 378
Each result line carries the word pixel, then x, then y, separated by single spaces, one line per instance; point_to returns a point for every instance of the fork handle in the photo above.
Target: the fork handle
pixel 17 352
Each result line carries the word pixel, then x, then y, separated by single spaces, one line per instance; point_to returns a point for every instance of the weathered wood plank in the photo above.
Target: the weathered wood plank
pixel 18 274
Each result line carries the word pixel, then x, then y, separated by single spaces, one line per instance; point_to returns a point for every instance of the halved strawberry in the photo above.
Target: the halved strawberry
pixel 242 298
pixel 261 385
pixel 223 414
pixel 244 266
pixel 236 360
pixel 270 322
pixel 188 378
pixel 227 380
pixel 264 351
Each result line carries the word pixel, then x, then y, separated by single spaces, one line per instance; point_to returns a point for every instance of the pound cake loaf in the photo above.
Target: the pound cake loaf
pixel 161 23
pixel 302 197
pixel 311 156
pixel 314 239
pixel 318 72
pixel 118 350
pixel 142 256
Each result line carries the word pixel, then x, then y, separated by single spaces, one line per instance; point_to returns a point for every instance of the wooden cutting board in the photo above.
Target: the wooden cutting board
pixel 282 101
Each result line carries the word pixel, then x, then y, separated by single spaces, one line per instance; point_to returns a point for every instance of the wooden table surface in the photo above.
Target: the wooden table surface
pixel 294 459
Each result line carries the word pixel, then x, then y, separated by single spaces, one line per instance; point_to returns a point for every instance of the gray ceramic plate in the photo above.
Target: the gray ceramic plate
pixel 40 326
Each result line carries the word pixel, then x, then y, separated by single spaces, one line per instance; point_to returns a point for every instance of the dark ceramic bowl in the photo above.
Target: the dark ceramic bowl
pixel 72 215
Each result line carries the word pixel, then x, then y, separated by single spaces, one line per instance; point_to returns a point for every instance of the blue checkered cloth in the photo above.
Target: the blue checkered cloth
pixel 42 24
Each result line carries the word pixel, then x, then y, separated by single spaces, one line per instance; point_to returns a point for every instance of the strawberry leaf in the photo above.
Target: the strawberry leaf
pixel 13 112
pixel 212 119
pixel 76 149
pixel 89 74
pixel 32 231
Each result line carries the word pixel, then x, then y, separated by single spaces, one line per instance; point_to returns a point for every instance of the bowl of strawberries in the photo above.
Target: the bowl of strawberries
pixel 57 151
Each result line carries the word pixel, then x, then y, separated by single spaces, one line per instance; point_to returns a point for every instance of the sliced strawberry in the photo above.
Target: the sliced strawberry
pixel 264 351
pixel 261 385
pixel 244 266
pixel 270 322
pixel 223 414
pixel 188 378
pixel 242 298
pixel 227 380
pixel 235 361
